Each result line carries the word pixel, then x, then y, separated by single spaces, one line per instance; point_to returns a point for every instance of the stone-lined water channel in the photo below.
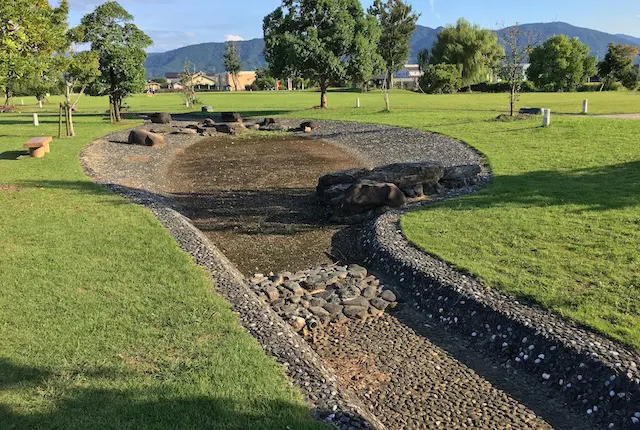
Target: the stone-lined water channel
pixel 254 199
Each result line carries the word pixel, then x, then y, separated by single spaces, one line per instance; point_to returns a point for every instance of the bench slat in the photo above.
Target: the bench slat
pixel 37 142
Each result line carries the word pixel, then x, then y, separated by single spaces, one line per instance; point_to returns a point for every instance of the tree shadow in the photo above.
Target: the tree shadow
pixel 76 407
pixel 592 189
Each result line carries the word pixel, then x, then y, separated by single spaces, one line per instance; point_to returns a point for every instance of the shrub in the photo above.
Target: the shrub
pixel 441 78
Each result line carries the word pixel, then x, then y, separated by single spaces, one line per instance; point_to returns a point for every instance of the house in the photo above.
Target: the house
pixel 405 78
pixel 226 81
pixel 204 82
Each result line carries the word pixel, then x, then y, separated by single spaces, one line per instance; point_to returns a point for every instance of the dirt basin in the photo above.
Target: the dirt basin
pixel 255 199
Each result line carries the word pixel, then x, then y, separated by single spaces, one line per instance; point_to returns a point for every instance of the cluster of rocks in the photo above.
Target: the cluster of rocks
pixel 311 299
pixel 230 123
pixel 356 194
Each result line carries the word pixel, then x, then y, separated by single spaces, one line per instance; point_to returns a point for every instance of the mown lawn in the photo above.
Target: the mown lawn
pixel 104 322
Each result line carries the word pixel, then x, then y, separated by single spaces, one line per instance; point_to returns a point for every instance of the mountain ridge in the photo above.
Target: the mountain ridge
pixel 207 57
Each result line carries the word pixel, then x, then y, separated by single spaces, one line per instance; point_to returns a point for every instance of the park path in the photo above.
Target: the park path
pixel 408 371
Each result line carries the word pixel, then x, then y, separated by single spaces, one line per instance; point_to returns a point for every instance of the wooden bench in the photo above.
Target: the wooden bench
pixel 38 146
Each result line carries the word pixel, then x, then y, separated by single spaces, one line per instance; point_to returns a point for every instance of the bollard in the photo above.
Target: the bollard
pixel 358 102
pixel 22 101
pixel 40 103
pixel 585 106
pixel 546 117
pixel 35 120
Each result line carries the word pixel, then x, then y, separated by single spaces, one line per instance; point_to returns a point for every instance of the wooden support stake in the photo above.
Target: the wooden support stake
pixel 60 121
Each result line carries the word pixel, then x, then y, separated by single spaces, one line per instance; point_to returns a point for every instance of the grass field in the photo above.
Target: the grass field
pixel 104 321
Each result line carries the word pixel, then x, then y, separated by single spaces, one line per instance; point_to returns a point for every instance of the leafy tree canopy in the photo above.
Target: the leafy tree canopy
pixel 121 49
pixel 472 48
pixel 322 40
pixel 398 22
pixel 561 64
pixel 618 65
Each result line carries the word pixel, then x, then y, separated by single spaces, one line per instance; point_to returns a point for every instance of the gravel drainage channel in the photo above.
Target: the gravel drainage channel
pixel 398 370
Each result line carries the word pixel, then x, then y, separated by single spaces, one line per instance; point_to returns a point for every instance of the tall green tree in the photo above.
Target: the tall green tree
pixel 321 40
pixel 31 31
pixel 618 65
pixel 398 23
pixel 232 62
pixel 120 46
pixel 474 49
pixel 561 64
pixel 423 59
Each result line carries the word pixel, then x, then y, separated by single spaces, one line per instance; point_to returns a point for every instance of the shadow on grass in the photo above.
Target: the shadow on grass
pixel 12 155
pixel 76 407
pixel 600 188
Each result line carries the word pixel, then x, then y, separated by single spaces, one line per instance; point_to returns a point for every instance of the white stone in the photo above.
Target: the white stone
pixel 546 376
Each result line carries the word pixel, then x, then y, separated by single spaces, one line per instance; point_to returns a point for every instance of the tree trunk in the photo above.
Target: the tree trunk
pixel 7 96
pixel 117 105
pixel 385 91
pixel 512 100
pixel 323 94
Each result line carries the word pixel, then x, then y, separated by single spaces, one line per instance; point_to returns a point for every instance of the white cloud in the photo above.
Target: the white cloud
pixel 432 3
pixel 232 38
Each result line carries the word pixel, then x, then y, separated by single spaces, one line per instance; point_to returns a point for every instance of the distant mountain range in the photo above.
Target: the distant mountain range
pixel 207 57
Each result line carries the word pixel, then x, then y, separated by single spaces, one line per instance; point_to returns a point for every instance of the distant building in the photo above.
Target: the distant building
pixel 245 79
pixel 152 86
pixel 405 78
pixel 204 82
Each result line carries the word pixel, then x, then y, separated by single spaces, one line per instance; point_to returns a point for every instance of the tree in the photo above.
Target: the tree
pixel 81 70
pixel 441 78
pixel 31 31
pixel 519 43
pixel 188 86
pixel 475 50
pixel 365 59
pixel 398 23
pixel 319 40
pixel 423 59
pixel 232 63
pixel 618 66
pixel 120 46
pixel 561 64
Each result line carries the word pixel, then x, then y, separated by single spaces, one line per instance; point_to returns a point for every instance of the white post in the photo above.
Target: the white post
pixel 585 106
pixel 358 103
pixel 22 100
pixel 40 103
pixel 35 120
pixel 546 117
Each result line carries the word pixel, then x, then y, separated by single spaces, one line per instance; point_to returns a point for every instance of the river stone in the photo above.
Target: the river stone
pixel 458 172
pixel 208 122
pixel 311 124
pixel 145 138
pixel 388 296
pixel 369 292
pixel 295 288
pixel 230 117
pixel 379 303
pixel 272 293
pixel 297 323
pixel 317 301
pixel 333 309
pixel 348 176
pixel 355 312
pixel 367 195
pixel 326 295
pixel 358 301
pixel 160 118
pixel 403 174
pixel 207 108
pixel 357 271
pixel 319 311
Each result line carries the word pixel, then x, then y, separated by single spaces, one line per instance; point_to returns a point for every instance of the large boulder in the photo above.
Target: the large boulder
pixel 366 195
pixel 146 138
pixel 160 118
pixel 207 108
pixel 231 128
pixel 230 117
pixel 269 121
pixel 309 124
pixel 458 172
pixel 348 176
pixel 403 174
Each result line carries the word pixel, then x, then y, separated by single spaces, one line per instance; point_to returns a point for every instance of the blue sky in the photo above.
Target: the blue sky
pixel 175 23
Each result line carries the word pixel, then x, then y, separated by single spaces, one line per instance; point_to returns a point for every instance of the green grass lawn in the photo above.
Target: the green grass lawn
pixel 104 322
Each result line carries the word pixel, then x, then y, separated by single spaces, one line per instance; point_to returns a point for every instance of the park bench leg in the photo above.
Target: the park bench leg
pixel 37 152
